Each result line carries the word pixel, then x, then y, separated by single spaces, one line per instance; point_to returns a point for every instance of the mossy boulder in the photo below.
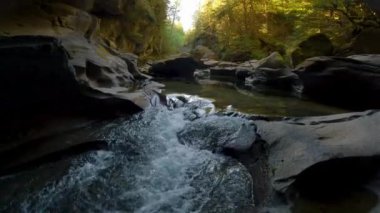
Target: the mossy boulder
pixel 316 45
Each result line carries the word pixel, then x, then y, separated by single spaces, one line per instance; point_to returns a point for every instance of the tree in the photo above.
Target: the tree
pixel 258 27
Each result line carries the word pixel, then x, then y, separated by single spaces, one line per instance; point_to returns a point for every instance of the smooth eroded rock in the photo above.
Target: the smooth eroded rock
pixel 65 83
pixel 298 147
pixel 177 67
pixel 316 45
pixel 218 133
pixel 344 82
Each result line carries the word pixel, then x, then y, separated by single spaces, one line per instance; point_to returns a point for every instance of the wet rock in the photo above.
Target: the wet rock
pixel 176 67
pixel 321 153
pixel 367 58
pixel 202 74
pixel 68 71
pixel 217 133
pixel 274 73
pixel 283 79
pixel 243 72
pixel 316 45
pixel 223 71
pixel 234 187
pixel 343 82
pixel 62 83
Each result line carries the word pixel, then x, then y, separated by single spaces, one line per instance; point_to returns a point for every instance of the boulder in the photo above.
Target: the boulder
pixel 283 79
pixel 243 72
pixel 316 45
pixel 366 42
pixel 273 61
pixel 176 67
pixel 223 71
pixel 329 154
pixel 202 74
pixel 272 72
pixel 203 52
pixel 217 134
pixel 343 82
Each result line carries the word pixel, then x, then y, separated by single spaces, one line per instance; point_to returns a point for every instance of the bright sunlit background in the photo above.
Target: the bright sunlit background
pixel 187 10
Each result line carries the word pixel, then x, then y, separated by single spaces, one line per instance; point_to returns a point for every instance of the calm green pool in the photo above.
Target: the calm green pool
pixel 247 101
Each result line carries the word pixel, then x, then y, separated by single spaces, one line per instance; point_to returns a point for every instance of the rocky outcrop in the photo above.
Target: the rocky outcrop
pixel 274 73
pixel 269 72
pixel 343 82
pixel 202 52
pixel 365 42
pixel 218 134
pixel 63 83
pixel 176 67
pixel 322 154
pixel 59 74
pixel 316 45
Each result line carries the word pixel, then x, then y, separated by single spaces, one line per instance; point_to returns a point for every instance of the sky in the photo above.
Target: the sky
pixel 187 11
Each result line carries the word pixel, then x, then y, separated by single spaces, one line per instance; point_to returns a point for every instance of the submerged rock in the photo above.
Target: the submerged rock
pixel 219 133
pixel 344 82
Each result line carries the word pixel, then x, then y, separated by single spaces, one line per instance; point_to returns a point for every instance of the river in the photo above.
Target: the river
pixel 165 159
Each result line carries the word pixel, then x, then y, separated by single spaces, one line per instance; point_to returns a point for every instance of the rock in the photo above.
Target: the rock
pixel 203 52
pixel 210 63
pixel 243 72
pixel 249 64
pixel 206 134
pixel 283 79
pixel 202 74
pixel 86 5
pixel 271 72
pixel 223 71
pixel 234 185
pixel 176 67
pixel 337 150
pixel 342 82
pixel 316 45
pixel 366 42
pixel 62 83
pixel 273 61
pixel 110 7
pixel 368 58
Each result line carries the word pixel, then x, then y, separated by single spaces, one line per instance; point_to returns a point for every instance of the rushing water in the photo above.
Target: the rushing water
pixel 167 159
pixel 145 169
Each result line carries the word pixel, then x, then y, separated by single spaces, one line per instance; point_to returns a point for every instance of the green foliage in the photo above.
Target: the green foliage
pixel 145 28
pixel 173 39
pixel 258 27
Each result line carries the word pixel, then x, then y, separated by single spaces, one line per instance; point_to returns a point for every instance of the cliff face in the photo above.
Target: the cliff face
pixel 128 25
